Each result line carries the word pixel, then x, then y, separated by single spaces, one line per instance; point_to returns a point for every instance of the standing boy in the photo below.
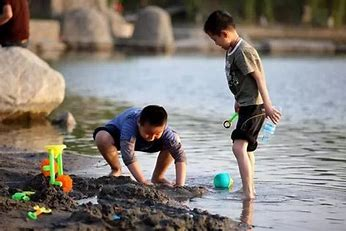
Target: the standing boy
pixel 246 81
pixel 143 130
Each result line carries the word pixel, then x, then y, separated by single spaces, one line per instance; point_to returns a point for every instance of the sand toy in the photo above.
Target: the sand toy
pixel 22 196
pixel 54 166
pixel 38 210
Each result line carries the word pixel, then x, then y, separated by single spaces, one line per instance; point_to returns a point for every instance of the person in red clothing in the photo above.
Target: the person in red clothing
pixel 14 23
pixel 118 7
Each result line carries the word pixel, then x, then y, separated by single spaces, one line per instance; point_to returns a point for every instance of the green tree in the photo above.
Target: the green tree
pixel 319 12
pixel 338 12
pixel 249 11
pixel 268 10
pixel 193 8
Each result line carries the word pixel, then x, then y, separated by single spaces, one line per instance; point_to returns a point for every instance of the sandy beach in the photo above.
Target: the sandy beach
pixel 122 204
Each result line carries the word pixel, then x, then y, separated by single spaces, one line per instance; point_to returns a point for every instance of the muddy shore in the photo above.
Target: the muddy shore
pixel 105 203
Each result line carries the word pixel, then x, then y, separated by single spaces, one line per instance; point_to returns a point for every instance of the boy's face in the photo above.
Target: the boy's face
pixel 223 40
pixel 149 132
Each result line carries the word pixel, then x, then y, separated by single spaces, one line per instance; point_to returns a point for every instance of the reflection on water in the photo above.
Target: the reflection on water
pixel 300 175
pixel 30 136
pixel 89 114
pixel 246 216
pixel 300 180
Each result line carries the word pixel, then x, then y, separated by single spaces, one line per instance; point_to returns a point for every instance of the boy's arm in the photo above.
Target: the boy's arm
pixel 137 173
pixel 180 169
pixel 127 146
pixel 173 144
pixel 271 112
pixel 236 106
pixel 128 155
pixel 7 14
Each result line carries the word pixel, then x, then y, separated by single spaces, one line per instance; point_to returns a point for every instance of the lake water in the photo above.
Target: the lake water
pixel 300 175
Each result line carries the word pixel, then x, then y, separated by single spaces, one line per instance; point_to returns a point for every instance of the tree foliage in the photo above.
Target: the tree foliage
pixel 321 12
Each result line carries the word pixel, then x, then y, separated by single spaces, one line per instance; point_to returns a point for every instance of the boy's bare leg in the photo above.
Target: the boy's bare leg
pixel 245 169
pixel 253 161
pixel 162 163
pixel 105 144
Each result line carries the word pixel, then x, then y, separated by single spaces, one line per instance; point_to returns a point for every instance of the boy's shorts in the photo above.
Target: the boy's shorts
pixel 249 125
pixel 155 146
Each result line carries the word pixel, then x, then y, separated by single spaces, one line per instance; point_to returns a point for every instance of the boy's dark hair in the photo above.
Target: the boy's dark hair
pixel 217 21
pixel 154 115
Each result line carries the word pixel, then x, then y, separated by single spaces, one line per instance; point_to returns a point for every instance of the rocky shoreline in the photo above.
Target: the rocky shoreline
pixel 102 30
pixel 122 204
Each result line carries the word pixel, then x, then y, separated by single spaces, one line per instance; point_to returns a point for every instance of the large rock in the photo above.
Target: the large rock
pixel 28 86
pixel 56 8
pixel 59 7
pixel 153 30
pixel 279 46
pixel 119 27
pixel 45 38
pixel 86 29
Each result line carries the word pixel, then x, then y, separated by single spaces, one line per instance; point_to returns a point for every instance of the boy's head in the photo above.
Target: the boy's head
pixel 220 27
pixel 152 122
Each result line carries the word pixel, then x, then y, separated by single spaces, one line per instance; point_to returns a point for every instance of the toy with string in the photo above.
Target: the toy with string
pixel 228 123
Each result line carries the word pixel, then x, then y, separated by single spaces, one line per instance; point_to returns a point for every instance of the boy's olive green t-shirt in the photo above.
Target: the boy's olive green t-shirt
pixel 241 61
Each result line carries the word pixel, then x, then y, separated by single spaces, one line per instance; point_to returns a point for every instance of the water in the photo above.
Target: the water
pixel 300 174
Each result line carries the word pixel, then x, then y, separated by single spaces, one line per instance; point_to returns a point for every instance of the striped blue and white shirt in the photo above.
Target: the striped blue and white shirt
pixel 130 139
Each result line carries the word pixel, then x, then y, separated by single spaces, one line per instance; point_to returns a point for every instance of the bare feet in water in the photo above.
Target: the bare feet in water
pixel 245 197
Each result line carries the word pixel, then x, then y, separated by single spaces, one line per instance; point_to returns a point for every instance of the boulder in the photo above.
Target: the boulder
pixel 29 88
pixel 59 7
pixel 45 38
pixel 65 120
pixel 56 8
pixel 86 29
pixel 279 46
pixel 119 27
pixel 153 30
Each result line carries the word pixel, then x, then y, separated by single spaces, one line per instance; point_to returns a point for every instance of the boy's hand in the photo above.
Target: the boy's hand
pixel 236 106
pixel 175 185
pixel 147 182
pixel 137 172
pixel 274 114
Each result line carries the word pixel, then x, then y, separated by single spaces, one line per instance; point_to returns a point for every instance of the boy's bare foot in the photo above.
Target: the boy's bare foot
pixel 245 196
pixel 248 197
pixel 115 173
pixel 241 191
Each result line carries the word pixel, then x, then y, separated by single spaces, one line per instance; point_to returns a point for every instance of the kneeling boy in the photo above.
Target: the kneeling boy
pixel 143 130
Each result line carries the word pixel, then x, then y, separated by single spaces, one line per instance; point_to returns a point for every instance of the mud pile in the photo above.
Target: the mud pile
pixel 122 204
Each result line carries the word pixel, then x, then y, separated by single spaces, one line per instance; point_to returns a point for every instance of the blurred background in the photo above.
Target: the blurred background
pixel 113 55
pixel 309 12
pixel 313 26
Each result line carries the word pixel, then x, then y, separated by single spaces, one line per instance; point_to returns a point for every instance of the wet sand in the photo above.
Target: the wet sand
pixel 122 204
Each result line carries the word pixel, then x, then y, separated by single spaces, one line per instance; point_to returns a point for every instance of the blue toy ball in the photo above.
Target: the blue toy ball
pixel 223 181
